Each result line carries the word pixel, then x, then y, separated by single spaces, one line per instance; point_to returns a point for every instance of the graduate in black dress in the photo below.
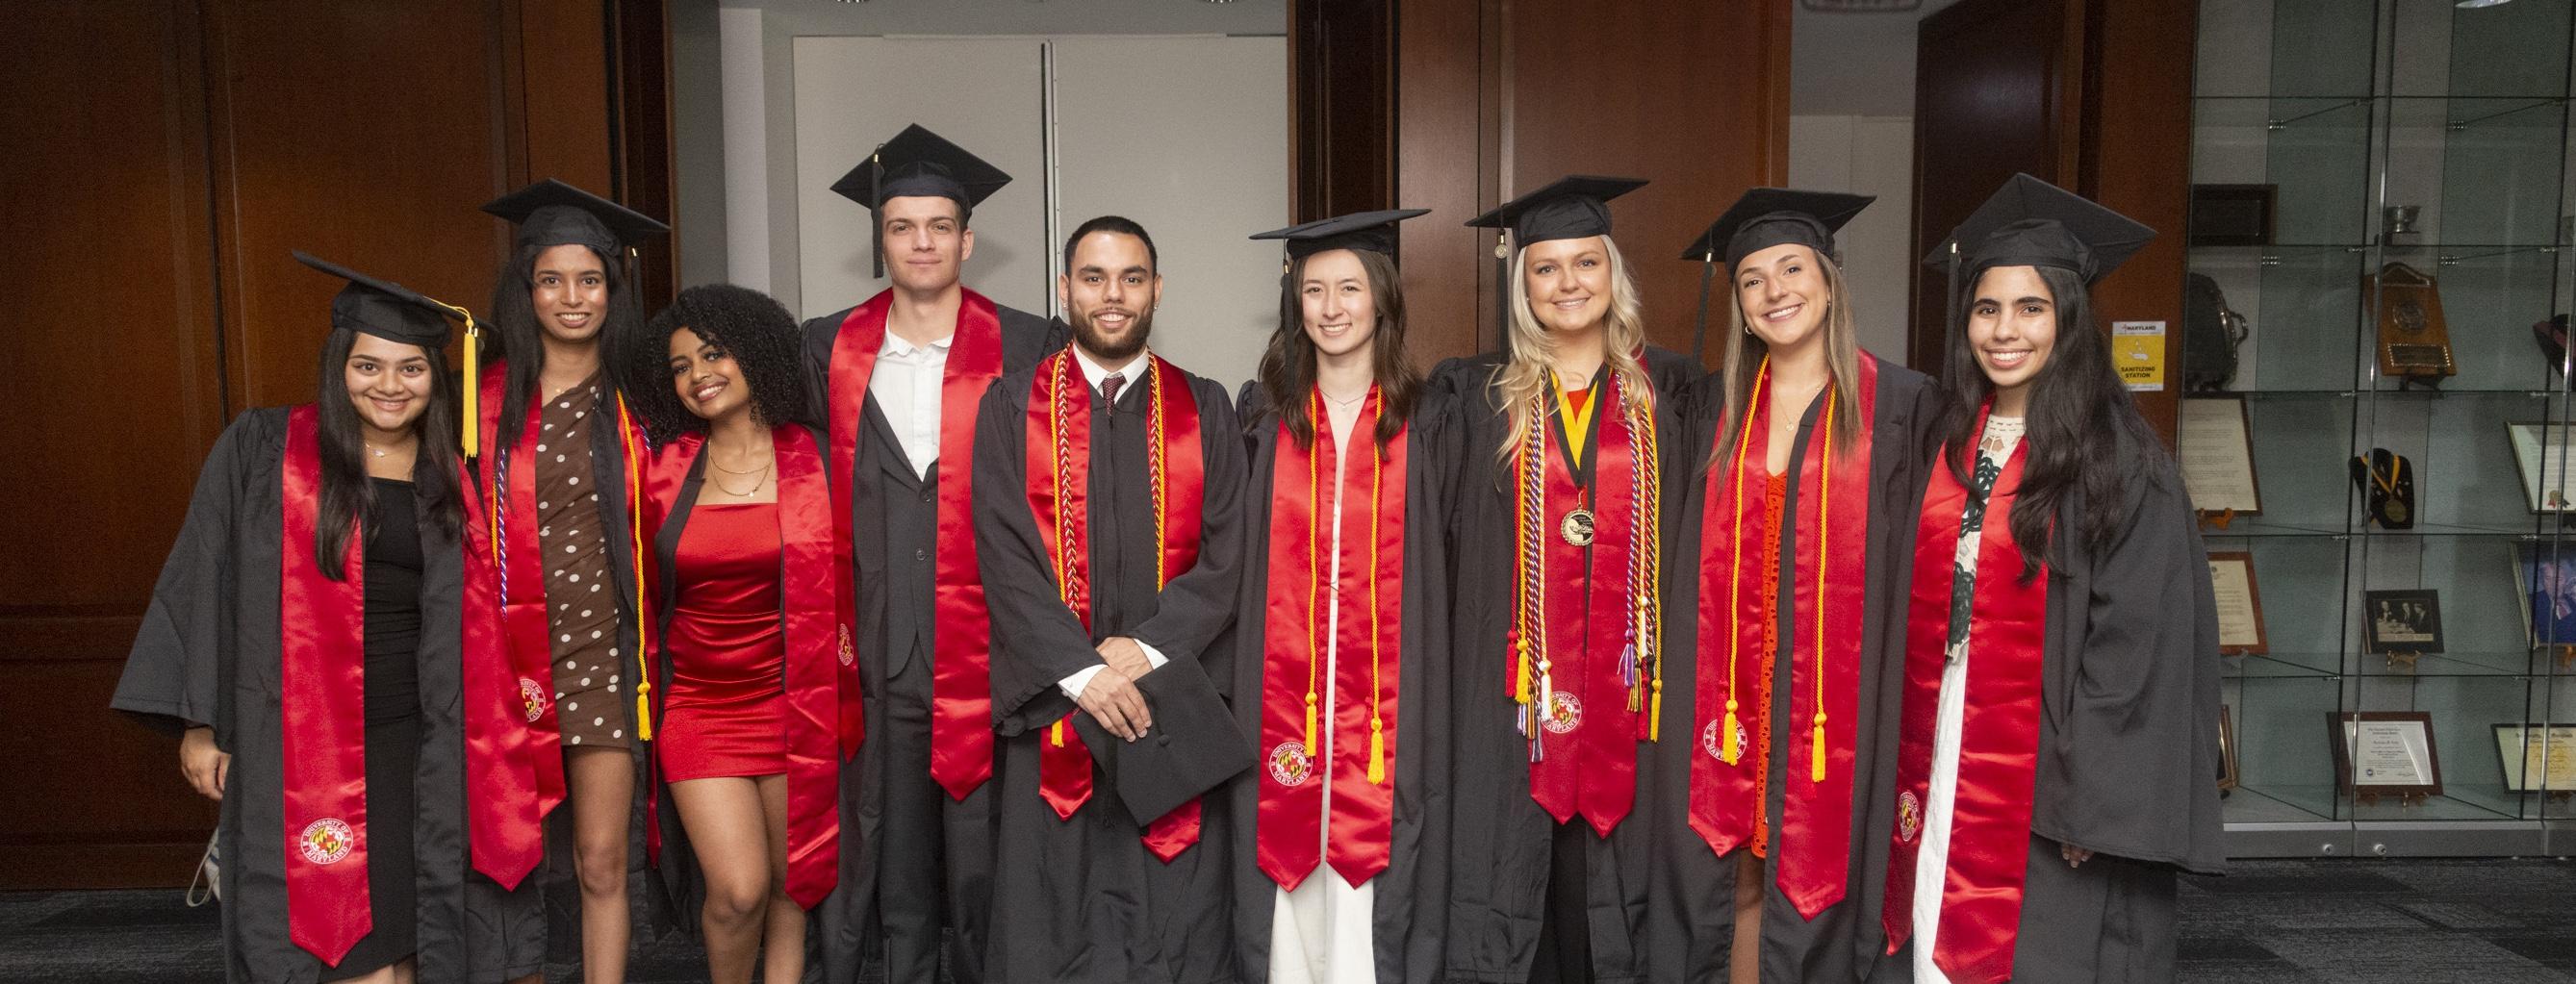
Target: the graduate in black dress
pixel 560 481
pixel 1341 870
pixel 1109 525
pixel 899 376
pixel 2060 588
pixel 326 638
pixel 1806 454
pixel 1571 477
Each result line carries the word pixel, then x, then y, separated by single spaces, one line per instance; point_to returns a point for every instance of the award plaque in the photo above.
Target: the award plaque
pixel 2537 758
pixel 2404 623
pixel 2216 453
pixel 2227 750
pixel 2387 483
pixel 2240 606
pixel 2381 753
pixel 2414 341
pixel 2541 452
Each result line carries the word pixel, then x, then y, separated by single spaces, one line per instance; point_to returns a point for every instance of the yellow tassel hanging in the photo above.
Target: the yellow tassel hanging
pixel 635 546
pixel 471 435
pixel 1377 751
pixel 1055 733
pixel 1727 748
pixel 1818 773
pixel 1521 694
pixel 643 717
pixel 1655 714
pixel 1310 724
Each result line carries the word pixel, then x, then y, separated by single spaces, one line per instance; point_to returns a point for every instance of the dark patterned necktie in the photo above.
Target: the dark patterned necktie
pixel 1109 386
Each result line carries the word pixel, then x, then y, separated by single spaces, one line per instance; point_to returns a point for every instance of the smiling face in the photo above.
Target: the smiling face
pixel 710 383
pixel 1567 282
pixel 926 242
pixel 1340 308
pixel 568 285
pixel 1109 295
pixel 2012 327
pixel 1783 295
pixel 389 383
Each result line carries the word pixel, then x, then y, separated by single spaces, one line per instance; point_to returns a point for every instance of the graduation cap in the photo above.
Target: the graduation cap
pixel 396 313
pixel 2029 222
pixel 1372 231
pixel 1194 746
pixel 1570 207
pixel 1763 218
pixel 552 213
pixel 917 164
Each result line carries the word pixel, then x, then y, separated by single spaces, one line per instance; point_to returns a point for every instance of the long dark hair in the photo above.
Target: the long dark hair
pixel 748 325
pixel 521 342
pixel 1288 365
pixel 341 441
pixel 2084 433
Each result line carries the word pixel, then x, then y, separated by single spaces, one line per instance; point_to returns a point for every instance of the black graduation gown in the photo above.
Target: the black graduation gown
pixel 1501 839
pixel 1411 896
pixel 2127 743
pixel 207 654
pixel 1082 899
pixel 1694 897
pixel 560 882
pixel 887 918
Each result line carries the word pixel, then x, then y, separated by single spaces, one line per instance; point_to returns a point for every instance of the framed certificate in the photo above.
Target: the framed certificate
pixel 2385 753
pixel 2541 452
pixel 2240 606
pixel 2407 622
pixel 2227 750
pixel 2215 449
pixel 2537 758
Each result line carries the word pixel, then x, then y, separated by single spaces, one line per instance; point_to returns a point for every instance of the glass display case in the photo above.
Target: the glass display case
pixel 2381 215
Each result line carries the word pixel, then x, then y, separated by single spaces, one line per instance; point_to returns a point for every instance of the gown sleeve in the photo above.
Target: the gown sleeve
pixel 1041 641
pixel 177 674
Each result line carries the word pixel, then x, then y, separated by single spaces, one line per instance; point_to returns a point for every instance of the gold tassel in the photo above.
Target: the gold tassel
pixel 1655 716
pixel 1377 751
pixel 471 433
pixel 1310 724
pixel 1727 748
pixel 1055 733
pixel 1520 694
pixel 1819 769
pixel 643 716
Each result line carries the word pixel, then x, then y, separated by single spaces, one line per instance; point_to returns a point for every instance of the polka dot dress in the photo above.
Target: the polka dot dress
pixel 589 696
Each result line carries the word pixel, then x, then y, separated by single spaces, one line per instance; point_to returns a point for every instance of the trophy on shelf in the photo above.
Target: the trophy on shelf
pixel 2414 341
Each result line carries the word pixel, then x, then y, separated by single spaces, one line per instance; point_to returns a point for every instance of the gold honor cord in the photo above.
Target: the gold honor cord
pixel 1824 559
pixel 635 554
pixel 1377 721
pixel 1314 565
pixel 1728 747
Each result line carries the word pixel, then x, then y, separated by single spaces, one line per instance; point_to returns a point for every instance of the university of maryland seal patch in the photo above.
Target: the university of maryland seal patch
pixel 1289 764
pixel 533 697
pixel 1909 816
pixel 1564 713
pixel 1708 740
pixel 849 652
pixel 326 841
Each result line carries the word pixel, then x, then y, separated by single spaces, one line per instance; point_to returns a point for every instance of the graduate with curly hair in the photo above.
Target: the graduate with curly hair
pixel 759 703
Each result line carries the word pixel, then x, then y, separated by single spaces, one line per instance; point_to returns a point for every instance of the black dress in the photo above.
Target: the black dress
pixel 392 581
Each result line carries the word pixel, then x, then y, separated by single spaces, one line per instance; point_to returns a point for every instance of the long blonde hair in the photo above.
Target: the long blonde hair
pixel 1523 375
pixel 1746 350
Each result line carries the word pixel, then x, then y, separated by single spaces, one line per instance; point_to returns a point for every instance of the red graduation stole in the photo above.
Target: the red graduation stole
pixel 1059 458
pixel 1999 746
pixel 1297 613
pixel 322 707
pixel 1577 557
pixel 823 724
pixel 961 686
pixel 1827 600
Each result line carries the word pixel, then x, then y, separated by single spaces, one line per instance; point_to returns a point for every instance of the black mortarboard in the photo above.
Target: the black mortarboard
pixel 1372 231
pixel 1571 207
pixel 552 213
pixel 1194 746
pixel 1767 217
pixel 917 164
pixel 386 309
pixel 2029 222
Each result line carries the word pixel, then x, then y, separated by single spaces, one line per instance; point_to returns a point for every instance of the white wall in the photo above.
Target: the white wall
pixel 1870 155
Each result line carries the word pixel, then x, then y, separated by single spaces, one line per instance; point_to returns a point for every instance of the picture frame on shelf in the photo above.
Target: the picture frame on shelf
pixel 2227 750
pixel 2540 452
pixel 2233 214
pixel 2402 622
pixel 2385 753
pixel 2544 576
pixel 2214 448
pixel 2240 603
pixel 2535 758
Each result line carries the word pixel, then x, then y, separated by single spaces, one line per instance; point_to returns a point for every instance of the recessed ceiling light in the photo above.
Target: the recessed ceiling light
pixel 2475 4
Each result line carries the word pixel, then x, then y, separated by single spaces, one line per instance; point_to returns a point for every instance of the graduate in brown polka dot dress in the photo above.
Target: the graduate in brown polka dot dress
pixel 557 476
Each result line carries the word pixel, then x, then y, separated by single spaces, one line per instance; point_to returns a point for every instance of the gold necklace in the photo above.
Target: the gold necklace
pixel 755 483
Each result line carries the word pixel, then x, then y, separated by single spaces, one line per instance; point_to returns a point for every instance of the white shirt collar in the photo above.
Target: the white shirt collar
pixel 1093 372
pixel 895 346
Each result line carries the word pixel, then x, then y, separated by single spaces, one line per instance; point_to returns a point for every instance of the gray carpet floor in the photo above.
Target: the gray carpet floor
pixel 2273 922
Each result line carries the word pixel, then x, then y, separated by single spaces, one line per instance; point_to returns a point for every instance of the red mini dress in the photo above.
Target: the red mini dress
pixel 726 711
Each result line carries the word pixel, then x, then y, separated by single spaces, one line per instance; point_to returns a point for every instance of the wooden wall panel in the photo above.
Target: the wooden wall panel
pixel 1341 105
pixel 1446 142
pixel 2136 159
pixel 111 281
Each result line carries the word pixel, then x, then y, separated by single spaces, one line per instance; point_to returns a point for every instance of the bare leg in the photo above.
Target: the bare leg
pixel 782 943
pixel 1743 965
pixel 726 826
pixel 398 972
pixel 603 789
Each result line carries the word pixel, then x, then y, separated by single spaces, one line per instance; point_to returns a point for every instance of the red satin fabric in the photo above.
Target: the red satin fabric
pixel 961 713
pixel 321 694
pixel 508 723
pixel 1059 484
pixel 1999 744
pixel 1291 801
pixel 1583 757
pixel 510 490
pixel 727 706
